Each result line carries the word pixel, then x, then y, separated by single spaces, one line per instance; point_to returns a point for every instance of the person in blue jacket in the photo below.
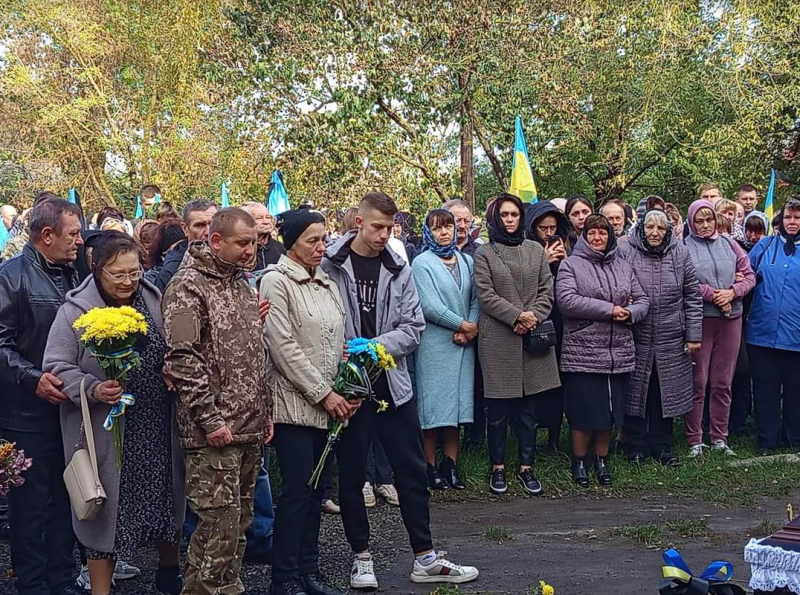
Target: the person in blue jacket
pixel 773 332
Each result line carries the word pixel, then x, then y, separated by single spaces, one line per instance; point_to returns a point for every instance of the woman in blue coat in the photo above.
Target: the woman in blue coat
pixel 446 354
pixel 773 331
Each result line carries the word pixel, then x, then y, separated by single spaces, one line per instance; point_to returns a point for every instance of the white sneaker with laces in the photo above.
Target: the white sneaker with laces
pixel 721 446
pixel 369 495
pixel 83 581
pixel 362 576
pixel 124 571
pixel 389 493
pixel 696 451
pixel 443 571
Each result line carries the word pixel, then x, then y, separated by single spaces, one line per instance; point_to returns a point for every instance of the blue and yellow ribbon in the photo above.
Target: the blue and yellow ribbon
pixel 117 410
pixel 713 580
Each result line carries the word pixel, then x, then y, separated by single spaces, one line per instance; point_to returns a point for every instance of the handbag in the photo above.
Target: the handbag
pixel 540 339
pixel 86 493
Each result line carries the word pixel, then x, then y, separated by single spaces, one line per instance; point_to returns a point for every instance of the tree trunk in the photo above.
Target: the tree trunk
pixel 467 159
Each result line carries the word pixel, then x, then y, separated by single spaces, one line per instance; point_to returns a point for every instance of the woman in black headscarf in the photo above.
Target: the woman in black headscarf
pixel 550 228
pixel 515 290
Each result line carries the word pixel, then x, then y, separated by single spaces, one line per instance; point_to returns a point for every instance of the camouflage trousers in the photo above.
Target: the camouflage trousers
pixel 219 487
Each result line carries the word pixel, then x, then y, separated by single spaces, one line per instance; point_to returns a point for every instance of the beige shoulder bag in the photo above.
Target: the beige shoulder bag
pixel 86 493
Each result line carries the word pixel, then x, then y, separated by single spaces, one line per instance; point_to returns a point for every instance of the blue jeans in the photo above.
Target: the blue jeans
pixel 259 535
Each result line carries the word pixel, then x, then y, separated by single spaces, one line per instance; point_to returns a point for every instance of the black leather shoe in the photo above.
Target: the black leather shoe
pixel 169 580
pixel 314 584
pixel 449 471
pixel 290 587
pixel 602 472
pixel 579 475
pixel 529 482
pixel 497 482
pixel 637 457
pixel 436 481
pixel 668 459
pixel 764 452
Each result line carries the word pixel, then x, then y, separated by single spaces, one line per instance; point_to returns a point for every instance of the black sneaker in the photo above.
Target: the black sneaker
pixel 497 483
pixel 668 459
pixel 637 457
pixel 529 482
pixel 314 584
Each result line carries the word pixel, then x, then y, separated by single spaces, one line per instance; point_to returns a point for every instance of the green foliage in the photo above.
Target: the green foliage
pixel 618 99
pixel 497 534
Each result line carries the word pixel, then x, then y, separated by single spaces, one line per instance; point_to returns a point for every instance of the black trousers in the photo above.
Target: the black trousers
pixel 40 517
pixel 502 411
pixel 295 542
pixel 399 431
pixel 776 378
pixel 741 403
pixel 379 470
pixel 651 434
pixel 477 430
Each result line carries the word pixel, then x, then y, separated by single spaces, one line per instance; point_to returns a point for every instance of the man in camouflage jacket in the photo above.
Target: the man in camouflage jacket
pixel 217 363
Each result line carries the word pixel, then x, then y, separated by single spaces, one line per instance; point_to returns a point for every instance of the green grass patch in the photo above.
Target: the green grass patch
pixel 710 478
pixel 446 590
pixel 497 534
pixel 659 534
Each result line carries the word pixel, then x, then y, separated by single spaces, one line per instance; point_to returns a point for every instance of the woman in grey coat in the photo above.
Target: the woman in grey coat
pixel 146 501
pixel 600 298
pixel 515 291
pixel 661 384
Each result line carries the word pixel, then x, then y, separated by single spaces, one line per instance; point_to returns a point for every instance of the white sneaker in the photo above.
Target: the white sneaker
pixel 83 581
pixel 362 576
pixel 124 571
pixel 721 446
pixel 369 495
pixel 330 507
pixel 443 571
pixel 696 451
pixel 389 493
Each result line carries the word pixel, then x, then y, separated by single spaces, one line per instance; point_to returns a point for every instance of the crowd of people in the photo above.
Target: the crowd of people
pixel 618 319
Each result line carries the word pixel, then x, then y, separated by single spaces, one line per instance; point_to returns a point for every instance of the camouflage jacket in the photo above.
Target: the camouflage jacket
pixel 215 354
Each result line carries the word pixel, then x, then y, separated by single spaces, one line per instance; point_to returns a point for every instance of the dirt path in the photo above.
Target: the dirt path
pixel 573 545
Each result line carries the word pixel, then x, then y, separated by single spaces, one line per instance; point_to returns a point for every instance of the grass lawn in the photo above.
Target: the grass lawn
pixel 711 478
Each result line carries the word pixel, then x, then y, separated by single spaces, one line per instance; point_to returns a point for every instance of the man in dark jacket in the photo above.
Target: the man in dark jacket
pixel 381 302
pixel 197 216
pixel 463 216
pixel 269 249
pixel 32 288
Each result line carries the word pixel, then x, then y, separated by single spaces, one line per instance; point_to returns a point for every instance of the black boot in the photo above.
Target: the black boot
pixel 449 471
pixel 314 584
pixel 169 580
pixel 579 475
pixel 290 587
pixel 435 481
pixel 602 472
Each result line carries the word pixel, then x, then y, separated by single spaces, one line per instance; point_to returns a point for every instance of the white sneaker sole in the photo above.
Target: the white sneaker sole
pixel 444 578
pixel 498 492
pixel 365 586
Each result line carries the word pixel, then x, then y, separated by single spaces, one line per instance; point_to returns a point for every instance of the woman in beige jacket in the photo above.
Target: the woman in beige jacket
pixel 304 334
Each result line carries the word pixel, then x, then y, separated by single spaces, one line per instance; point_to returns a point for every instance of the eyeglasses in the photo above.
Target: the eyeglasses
pixel 121 277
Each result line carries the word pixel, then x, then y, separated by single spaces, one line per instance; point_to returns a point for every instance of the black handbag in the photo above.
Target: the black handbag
pixel 539 340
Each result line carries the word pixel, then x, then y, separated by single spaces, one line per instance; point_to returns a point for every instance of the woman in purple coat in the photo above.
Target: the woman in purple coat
pixel 600 299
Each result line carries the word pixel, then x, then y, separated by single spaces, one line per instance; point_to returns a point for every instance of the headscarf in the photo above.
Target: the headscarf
pixel 598 221
pixel 538 211
pixel 497 231
pixel 137 232
pixel 693 209
pixel 429 242
pixel 293 223
pixel 789 240
pixel 677 228
pixel 660 216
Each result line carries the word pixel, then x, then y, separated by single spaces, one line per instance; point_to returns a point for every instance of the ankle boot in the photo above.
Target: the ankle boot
pixel 449 472
pixel 602 472
pixel 435 480
pixel 579 475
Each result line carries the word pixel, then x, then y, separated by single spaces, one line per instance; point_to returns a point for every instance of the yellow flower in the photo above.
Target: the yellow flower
pixel 382 406
pixel 6 449
pixel 385 359
pixel 546 589
pixel 109 324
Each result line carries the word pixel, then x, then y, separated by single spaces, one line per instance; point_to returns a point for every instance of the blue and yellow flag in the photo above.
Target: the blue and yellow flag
pixel 769 209
pixel 522 183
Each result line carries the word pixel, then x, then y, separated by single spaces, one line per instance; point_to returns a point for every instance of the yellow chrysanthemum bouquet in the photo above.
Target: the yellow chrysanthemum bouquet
pixel 366 360
pixel 110 334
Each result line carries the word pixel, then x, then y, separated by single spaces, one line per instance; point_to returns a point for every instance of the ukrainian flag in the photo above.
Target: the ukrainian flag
pixel 522 183
pixel 768 203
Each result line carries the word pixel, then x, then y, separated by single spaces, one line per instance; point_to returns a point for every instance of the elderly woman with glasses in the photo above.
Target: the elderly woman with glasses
pixel 145 493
